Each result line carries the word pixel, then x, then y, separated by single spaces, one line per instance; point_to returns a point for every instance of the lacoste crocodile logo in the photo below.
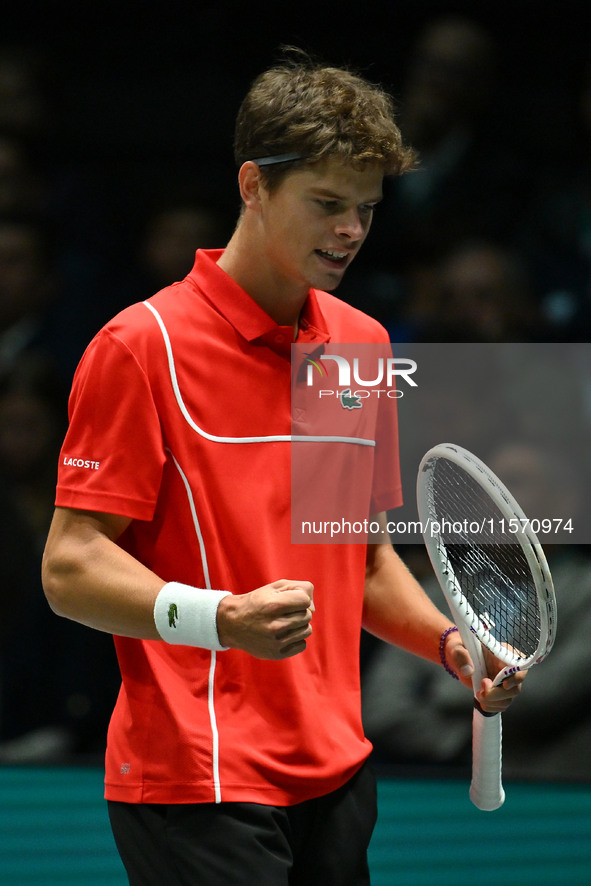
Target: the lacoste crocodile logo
pixel 173 614
pixel 349 400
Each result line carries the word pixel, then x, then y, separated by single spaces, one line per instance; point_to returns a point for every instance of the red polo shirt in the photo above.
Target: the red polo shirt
pixel 180 418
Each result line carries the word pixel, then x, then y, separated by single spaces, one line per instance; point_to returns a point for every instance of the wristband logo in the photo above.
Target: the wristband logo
pixel 173 614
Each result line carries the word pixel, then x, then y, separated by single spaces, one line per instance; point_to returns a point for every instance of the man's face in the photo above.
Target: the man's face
pixel 316 221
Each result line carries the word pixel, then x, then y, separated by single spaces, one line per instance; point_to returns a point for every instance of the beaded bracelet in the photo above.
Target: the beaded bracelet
pixel 444 637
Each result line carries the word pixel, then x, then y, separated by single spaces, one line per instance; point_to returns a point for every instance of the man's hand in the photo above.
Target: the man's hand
pixel 495 700
pixel 271 622
pixel 492 699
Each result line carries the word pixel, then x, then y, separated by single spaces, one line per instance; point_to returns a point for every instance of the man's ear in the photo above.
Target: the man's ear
pixel 249 181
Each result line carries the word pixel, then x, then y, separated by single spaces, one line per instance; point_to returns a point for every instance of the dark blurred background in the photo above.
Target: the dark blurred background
pixel 116 123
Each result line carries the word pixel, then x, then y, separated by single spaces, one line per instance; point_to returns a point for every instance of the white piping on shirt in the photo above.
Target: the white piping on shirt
pixel 278 438
pixel 211 681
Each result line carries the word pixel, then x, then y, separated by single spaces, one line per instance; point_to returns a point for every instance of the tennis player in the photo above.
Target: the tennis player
pixel 236 753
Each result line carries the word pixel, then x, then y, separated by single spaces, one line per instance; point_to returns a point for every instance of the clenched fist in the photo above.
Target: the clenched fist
pixel 271 622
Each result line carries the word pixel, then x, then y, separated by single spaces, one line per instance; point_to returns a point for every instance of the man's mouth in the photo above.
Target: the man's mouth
pixel 338 259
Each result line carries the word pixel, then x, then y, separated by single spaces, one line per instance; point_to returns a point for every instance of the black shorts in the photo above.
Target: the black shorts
pixel 321 842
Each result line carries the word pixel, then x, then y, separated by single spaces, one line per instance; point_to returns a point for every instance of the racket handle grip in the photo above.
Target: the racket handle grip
pixel 486 790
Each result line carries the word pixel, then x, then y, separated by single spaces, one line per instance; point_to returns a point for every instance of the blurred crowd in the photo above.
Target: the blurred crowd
pixel 489 240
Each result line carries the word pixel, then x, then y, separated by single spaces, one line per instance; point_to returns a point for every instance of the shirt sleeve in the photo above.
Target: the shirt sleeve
pixel 113 454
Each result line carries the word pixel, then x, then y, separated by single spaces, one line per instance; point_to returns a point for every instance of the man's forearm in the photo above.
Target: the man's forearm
pixel 397 609
pixel 89 578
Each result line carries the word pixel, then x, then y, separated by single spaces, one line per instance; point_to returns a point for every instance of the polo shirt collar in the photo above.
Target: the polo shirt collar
pixel 245 315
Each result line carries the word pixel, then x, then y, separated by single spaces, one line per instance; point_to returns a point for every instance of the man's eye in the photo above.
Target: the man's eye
pixel 367 208
pixel 329 205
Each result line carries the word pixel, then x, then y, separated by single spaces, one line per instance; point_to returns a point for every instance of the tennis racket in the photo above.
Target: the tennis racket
pixel 496 581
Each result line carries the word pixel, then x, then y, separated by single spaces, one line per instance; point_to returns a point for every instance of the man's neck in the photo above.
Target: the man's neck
pixel 278 297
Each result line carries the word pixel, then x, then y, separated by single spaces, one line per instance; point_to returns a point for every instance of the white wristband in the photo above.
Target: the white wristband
pixel 186 616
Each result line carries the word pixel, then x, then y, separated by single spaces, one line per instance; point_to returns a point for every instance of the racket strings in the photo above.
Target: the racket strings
pixel 486 559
